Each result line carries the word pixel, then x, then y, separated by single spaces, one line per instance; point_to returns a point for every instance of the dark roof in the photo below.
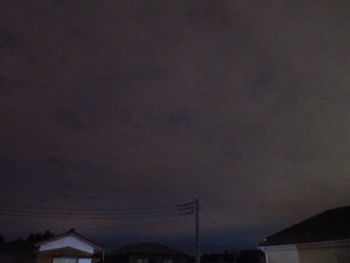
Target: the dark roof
pixel 330 225
pixel 75 234
pixel 147 248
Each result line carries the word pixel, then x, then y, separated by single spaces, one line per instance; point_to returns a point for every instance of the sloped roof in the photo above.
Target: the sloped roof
pixel 330 225
pixel 146 248
pixel 74 234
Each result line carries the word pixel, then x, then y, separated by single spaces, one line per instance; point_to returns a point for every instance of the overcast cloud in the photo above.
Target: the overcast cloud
pixel 243 104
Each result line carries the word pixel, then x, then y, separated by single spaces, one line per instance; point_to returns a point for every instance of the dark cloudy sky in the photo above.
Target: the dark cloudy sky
pixel 116 104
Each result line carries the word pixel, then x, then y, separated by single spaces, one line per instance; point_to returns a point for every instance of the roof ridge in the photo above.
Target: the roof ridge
pixel 70 232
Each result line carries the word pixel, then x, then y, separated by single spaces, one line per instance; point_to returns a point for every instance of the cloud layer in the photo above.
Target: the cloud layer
pixel 243 104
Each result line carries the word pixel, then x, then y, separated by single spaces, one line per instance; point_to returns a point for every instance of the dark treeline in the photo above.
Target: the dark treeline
pixel 243 256
pixel 26 244
pixel 37 237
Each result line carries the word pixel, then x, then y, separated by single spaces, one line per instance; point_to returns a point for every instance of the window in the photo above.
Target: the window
pixel 142 260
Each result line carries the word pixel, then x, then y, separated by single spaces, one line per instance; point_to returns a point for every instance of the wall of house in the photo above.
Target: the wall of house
pixel 47 256
pixel 334 254
pixel 289 255
pixel 325 255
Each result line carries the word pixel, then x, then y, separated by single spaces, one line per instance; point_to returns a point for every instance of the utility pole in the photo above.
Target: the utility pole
pixel 198 253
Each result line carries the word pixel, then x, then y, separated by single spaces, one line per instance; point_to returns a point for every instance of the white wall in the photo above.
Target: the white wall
pixel 283 256
pixel 324 254
pixel 340 254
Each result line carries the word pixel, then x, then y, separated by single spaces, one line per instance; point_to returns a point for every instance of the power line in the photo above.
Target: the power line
pixel 179 206
pixel 131 213
pixel 184 210
pixel 104 217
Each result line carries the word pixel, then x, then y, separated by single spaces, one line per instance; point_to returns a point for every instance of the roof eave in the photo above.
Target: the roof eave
pixel 328 243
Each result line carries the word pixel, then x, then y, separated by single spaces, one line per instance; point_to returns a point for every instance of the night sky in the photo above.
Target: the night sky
pixel 122 104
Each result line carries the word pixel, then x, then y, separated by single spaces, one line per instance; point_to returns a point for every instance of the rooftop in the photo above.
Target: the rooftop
pixel 330 225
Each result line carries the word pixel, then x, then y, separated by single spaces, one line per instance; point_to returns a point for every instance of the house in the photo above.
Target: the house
pixel 322 238
pixel 69 247
pixel 147 253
